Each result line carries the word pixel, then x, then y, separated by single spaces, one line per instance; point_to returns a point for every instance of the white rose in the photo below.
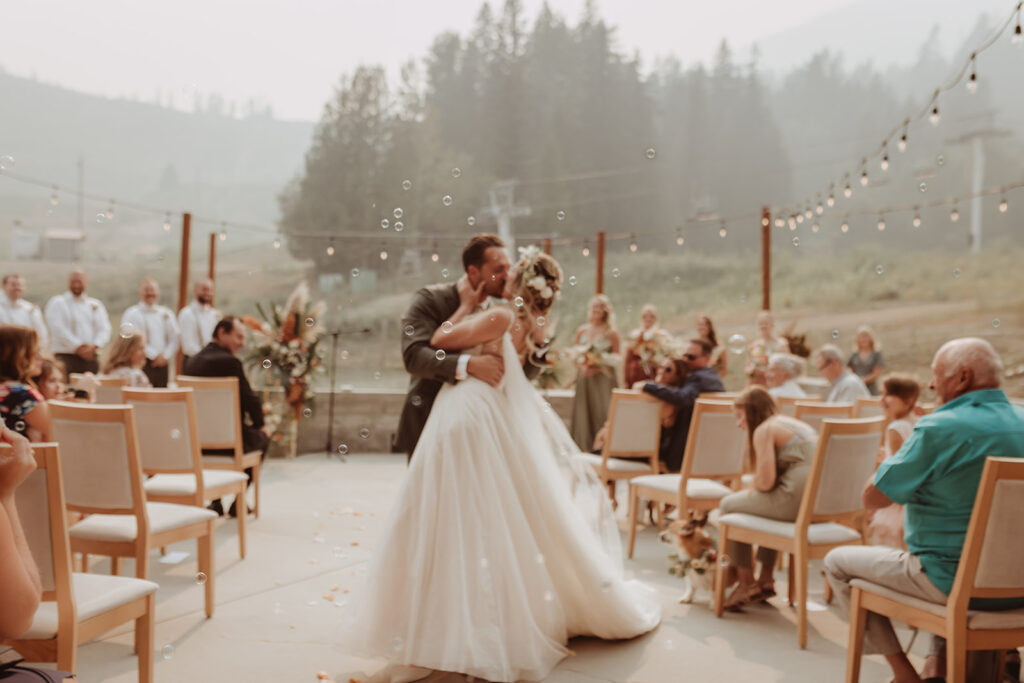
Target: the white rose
pixel 547 293
pixel 537 283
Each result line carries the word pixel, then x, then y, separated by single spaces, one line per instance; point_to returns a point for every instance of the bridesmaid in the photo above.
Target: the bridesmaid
pixel 596 378
pixel 706 331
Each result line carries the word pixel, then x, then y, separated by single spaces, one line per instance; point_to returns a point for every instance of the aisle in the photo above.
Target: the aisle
pixel 277 611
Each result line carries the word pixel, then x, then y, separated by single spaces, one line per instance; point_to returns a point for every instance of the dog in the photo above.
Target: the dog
pixel 695 556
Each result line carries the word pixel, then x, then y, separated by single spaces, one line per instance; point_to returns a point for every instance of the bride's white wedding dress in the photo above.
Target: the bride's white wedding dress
pixel 501 545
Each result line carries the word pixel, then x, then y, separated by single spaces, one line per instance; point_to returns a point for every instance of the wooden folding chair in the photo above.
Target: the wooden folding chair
pixel 787 404
pixel 76 607
pixel 169 449
pixel 831 512
pixel 219 416
pixel 103 479
pixel 633 440
pixel 109 389
pixel 712 463
pixel 991 566
pixel 868 406
pixel 813 412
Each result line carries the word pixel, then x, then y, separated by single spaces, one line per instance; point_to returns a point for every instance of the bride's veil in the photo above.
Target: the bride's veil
pixel 557 454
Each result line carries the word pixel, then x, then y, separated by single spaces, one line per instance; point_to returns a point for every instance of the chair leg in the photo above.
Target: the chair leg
pixel 142 562
pixel 241 522
pixel 144 641
pixel 115 566
pixel 723 538
pixel 791 581
pixel 85 563
pixel 956 657
pixel 255 490
pixel 205 554
pixel 634 505
pixel 67 649
pixel 801 599
pixel 163 550
pixel 828 592
pixel 855 649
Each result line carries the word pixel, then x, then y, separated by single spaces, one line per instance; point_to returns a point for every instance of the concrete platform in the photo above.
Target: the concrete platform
pixel 278 610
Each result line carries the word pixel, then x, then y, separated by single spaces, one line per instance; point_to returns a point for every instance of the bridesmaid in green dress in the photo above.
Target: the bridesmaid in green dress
pixel 597 372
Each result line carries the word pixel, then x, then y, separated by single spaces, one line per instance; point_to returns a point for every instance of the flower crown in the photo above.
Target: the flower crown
pixel 536 282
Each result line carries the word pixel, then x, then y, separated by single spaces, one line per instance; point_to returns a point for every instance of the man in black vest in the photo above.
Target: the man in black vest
pixel 219 358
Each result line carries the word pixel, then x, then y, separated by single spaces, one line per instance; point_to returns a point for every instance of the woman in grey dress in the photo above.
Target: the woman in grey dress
pixel 598 343
pixel 781 449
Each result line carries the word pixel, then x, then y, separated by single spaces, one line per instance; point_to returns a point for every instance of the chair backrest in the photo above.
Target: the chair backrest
pixel 40 504
pixel 109 389
pixel 992 560
pixel 714 444
pixel 719 395
pixel 845 457
pixel 167 433
pixel 102 473
pixel 868 406
pixel 218 416
pixel 813 412
pixel 787 404
pixel 634 427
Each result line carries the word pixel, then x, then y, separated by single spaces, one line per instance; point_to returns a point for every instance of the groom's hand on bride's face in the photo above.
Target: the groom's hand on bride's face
pixel 469 296
pixel 488 369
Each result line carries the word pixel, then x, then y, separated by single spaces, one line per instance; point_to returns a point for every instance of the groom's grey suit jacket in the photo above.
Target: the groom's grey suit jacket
pixel 430 307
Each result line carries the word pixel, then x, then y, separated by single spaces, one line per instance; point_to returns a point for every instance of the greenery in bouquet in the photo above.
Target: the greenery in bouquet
pixel 593 357
pixel 285 344
pixel 557 371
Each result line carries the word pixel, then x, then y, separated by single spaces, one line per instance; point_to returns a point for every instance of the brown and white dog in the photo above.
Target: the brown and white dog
pixel 695 556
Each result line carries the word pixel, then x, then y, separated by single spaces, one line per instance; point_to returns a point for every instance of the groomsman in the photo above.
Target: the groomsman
pixel 14 310
pixel 79 326
pixel 197 320
pixel 161 330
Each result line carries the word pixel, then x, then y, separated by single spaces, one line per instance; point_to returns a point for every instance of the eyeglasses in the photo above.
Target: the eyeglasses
pixel 667 369
pixel 690 356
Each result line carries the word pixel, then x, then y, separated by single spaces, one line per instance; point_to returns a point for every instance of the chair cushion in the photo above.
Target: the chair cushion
pixel 120 528
pixel 695 487
pixel 185 484
pixel 618 464
pixel 826 533
pixel 94 595
pixel 976 619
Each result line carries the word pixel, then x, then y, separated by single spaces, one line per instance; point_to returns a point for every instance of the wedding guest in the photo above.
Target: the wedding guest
pixel 781 373
pixel 781 448
pixel 899 398
pixel 160 328
pixel 844 386
pixel 196 321
pixel 14 310
pixel 935 476
pixel 671 373
pixel 127 358
pixel 79 326
pixel 700 379
pixel 706 331
pixel 765 345
pixel 866 360
pixel 596 371
pixel 219 358
pixel 646 349
pixel 20 586
pixel 22 407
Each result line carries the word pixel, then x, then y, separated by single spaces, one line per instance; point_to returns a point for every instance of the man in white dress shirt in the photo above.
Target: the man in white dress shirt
pixel 79 326
pixel 14 310
pixel 845 386
pixel 161 330
pixel 198 319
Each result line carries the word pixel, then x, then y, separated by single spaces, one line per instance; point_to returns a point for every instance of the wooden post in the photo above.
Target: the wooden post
pixel 186 234
pixel 766 258
pixel 213 260
pixel 547 246
pixel 599 279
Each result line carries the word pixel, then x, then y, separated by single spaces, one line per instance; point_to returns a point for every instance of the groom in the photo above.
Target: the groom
pixel 486 262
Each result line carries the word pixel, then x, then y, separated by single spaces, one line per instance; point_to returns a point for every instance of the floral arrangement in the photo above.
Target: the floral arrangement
pixel 536 282
pixel 285 343
pixel 704 563
pixel 651 348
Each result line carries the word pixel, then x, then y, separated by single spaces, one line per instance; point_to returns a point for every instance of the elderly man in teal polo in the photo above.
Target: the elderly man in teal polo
pixel 935 475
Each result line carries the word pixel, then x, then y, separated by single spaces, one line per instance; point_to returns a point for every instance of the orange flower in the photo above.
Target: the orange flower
pixel 252 323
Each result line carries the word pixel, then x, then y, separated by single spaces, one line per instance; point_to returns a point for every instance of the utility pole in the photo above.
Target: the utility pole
pixel 977 175
pixel 504 209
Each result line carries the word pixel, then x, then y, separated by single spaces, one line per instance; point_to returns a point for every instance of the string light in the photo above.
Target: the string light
pixel 632 244
pixel 831 201
pixel 679 238
pixel 330 248
pixel 799 218
pixel 954 215
pixel 764 221
pixel 1017 38
pixel 972 80
pixel 902 144
pixel 586 248
pixel 808 212
pixel 881 223
pixel 780 221
pixel 820 209
pixel 54 199
pixel 864 178
pixel 722 231
pixel 815 228
pixel 847 191
pixel 934 116
pixel 845 227
pixel 884 165
pixel 792 223
pixel 223 231
pixel 917 219
pixel 277 244
pixel 1003 206
pixel 167 223
pixel 384 252
pixel 435 257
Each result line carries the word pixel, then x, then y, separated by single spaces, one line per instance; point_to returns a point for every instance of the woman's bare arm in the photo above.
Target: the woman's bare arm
pixel 472 330
pixel 764 457
pixel 20 587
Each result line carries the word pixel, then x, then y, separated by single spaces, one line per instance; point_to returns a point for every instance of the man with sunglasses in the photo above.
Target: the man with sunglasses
pixel 702 379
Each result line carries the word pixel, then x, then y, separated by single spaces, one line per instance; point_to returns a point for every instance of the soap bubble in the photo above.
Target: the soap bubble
pixel 835 334
pixel 364 433
pixel 879 269
pixel 923 187
pixel 175 434
pixel 343 449
pixel 737 343
pixel 416 400
pixel 406 184
pixel 101 218
pixel 200 578
pixel 440 355
pixel 167 651
pixel 127 330
pixel 355 272
pixel 444 273
pixel 267 363
pixel 560 215
pixel 377 374
pixel 19 426
pixel 941 160
pixel 796 241
pixel 995 323
pixel 385 223
pixel 572 280
pixel 447 326
pixel 471 220
pixel 396 643
pixel 456 172
pixel 409 330
pixel 541 321
pixel 650 153
pixel 6 162
pixel 307 412
pixel 956 273
pixel 399 226
pixel 446 200
pixel 398 213
pixel 616 272
pixel 518 302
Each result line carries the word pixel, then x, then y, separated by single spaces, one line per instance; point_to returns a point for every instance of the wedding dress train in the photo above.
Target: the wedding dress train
pixel 501 545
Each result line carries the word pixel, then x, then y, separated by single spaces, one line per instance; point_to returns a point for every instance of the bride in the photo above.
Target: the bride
pixel 502 544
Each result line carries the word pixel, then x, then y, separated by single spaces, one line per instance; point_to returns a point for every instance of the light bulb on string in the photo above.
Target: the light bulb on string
pixel 764 221
pixel 972 80
pixel 722 231
pixel 1018 37
pixel 934 116
pixel 808 212
pixel 330 249
pixel 167 223
pixel 383 252
pixel 845 227
pixel 902 144
pixel 223 231
pixel 917 220
pixel 679 238
pixel 54 199
pixel 632 244
pixel 1003 205
pixel 864 178
pixel 277 244
pixel 847 191
pixel 586 249
pixel 819 209
pixel 954 215
pixel 831 201
pixel 884 164
pixel 779 221
pixel 799 218
pixel 792 223
pixel 434 256
pixel 815 228
pixel 881 223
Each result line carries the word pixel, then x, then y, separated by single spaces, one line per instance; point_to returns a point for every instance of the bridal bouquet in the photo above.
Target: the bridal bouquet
pixel 651 348
pixel 593 357
pixel 286 344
